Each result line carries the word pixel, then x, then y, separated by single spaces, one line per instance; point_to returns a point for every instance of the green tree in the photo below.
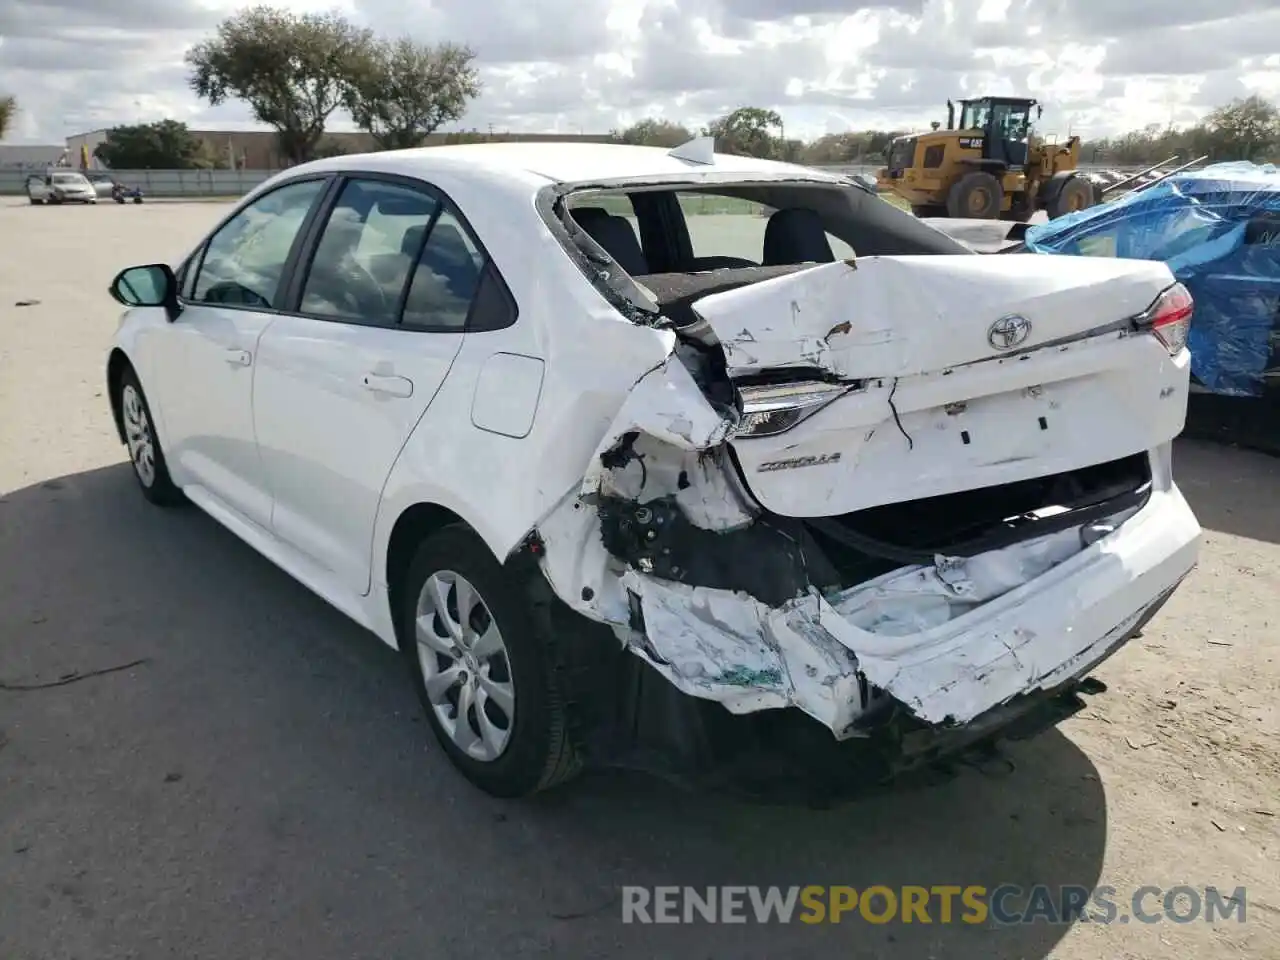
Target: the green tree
pixel 166 145
pixel 748 131
pixel 8 110
pixel 1245 129
pixel 655 132
pixel 403 90
pixel 293 70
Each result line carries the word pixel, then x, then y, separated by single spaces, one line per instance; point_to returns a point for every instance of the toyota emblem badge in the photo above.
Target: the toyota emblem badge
pixel 1009 332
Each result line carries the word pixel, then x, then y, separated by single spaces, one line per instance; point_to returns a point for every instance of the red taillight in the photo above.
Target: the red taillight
pixel 1169 318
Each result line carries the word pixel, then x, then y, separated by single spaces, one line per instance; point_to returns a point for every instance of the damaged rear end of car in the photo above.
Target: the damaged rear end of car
pixel 875 511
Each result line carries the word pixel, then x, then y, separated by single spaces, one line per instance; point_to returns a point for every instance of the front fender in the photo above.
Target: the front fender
pixel 136 342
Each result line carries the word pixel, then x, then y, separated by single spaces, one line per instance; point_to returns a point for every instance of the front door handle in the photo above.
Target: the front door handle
pixel 390 386
pixel 238 358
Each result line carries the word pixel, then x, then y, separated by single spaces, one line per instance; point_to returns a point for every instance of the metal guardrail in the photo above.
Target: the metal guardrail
pixel 236 183
pixel 161 183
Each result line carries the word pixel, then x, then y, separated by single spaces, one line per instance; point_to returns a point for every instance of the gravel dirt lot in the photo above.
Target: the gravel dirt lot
pixel 261 783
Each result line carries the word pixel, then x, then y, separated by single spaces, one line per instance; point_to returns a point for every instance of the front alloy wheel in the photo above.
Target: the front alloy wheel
pixel 138 426
pixel 138 435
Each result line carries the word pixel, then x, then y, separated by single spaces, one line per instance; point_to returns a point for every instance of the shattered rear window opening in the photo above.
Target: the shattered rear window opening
pixel 687 228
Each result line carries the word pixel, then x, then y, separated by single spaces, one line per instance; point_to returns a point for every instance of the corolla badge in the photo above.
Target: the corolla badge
pixel 1009 332
pixel 795 463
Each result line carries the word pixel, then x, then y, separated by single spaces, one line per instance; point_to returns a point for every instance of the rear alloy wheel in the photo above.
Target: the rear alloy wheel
pixel 976 196
pixel 485 678
pixel 144 449
pixel 1076 194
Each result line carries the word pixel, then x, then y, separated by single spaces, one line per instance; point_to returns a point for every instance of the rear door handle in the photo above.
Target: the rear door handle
pixel 390 386
pixel 238 358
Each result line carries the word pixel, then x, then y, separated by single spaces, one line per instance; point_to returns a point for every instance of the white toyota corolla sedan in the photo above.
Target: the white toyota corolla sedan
pixel 699 463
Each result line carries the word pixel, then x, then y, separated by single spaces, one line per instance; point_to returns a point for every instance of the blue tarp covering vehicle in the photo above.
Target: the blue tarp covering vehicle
pixel 1218 229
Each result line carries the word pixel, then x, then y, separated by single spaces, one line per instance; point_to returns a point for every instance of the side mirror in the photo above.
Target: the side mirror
pixel 153 285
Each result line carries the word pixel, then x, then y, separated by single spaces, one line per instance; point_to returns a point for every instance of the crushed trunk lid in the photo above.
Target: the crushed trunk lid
pixel 902 316
pixel 937 374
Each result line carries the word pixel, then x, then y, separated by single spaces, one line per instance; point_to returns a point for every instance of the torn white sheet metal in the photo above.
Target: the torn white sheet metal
pixel 679 450
pixel 700 479
pixel 917 599
pixel 885 317
pixel 1039 634
pixel 731 648
pixel 980 236
pixel 728 647
pixel 949 641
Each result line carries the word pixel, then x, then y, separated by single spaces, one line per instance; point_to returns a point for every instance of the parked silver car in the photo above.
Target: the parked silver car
pixel 61 186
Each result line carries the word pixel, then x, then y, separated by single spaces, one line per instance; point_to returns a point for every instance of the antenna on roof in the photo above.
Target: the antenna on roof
pixel 701 150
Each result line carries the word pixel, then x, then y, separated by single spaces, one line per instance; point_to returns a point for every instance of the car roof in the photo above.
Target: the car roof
pixel 575 162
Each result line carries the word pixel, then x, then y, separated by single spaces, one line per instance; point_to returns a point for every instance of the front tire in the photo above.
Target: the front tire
pixel 145 454
pixel 485 678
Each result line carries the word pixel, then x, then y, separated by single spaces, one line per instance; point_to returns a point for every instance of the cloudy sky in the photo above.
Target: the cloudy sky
pixel 1100 66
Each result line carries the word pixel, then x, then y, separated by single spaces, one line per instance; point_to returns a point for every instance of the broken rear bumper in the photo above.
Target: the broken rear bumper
pixel 716 686
pixel 728 647
pixel 784 756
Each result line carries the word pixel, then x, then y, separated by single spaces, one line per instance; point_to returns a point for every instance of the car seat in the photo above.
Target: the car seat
pixel 796 235
pixel 615 235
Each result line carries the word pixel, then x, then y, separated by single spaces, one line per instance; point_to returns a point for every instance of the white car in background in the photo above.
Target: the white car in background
pixel 61 186
pixel 629 475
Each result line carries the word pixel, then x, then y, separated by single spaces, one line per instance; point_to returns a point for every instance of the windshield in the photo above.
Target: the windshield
pixel 70 178
pixel 975 114
pixel 1011 121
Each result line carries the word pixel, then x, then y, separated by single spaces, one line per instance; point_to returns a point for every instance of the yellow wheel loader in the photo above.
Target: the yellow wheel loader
pixel 991 166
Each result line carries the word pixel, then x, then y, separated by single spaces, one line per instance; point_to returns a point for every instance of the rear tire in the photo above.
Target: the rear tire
pixel 1076 194
pixel 149 466
pixel 456 677
pixel 977 196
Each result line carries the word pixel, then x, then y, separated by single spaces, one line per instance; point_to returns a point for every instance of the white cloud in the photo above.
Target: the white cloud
pixel 1100 66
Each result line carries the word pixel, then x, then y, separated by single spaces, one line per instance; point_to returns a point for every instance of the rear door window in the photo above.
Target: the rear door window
pixel 446 277
pixel 366 251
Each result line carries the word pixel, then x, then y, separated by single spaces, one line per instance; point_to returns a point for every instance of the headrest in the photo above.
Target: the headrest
pixel 585 216
pixel 796 235
pixel 412 240
pixel 619 241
